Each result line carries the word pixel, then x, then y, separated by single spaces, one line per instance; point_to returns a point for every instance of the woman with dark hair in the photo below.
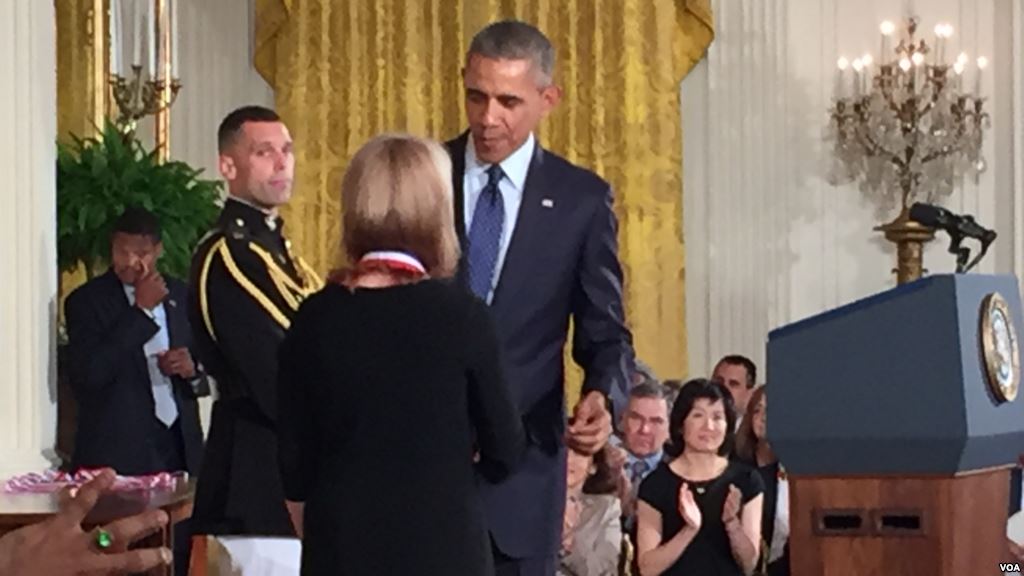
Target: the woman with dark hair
pixel 592 531
pixel 700 513
pixel 753 448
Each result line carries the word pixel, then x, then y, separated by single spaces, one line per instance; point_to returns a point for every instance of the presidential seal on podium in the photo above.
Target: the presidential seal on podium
pixel 1000 354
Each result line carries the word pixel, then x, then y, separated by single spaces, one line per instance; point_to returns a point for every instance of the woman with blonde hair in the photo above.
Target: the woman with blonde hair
pixel 390 381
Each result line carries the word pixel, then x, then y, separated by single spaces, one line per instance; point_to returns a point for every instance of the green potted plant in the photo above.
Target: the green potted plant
pixel 98 177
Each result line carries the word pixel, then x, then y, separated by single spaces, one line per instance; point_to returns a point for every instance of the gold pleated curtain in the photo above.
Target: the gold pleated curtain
pixel 82 102
pixel 346 71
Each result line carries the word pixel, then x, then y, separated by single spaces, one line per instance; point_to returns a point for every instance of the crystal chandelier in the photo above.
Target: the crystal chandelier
pixel 905 129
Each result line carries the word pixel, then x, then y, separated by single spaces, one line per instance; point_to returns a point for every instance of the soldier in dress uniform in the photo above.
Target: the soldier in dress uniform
pixel 245 287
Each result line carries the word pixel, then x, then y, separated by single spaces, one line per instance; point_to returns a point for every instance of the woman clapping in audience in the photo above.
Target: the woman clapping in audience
pixel 700 513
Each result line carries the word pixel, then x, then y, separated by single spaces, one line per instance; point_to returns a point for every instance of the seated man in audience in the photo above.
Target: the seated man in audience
pixel 739 374
pixel 644 433
pixel 132 372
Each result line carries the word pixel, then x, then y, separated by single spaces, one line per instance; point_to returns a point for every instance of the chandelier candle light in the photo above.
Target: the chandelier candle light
pixel 903 127
pixel 149 89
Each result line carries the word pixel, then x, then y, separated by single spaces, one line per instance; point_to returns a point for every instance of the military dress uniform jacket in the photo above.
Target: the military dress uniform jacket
pixel 245 287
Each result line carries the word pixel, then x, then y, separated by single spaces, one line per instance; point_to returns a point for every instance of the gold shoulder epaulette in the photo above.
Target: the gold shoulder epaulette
pixel 293 292
pixel 220 248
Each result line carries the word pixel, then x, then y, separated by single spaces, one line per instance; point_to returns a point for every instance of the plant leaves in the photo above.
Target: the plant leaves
pixel 98 177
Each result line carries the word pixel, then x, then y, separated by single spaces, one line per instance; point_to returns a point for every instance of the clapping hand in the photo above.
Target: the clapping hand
pixel 733 503
pixel 688 508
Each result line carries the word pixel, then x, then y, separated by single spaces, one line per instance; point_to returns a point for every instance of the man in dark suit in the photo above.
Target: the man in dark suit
pixel 539 245
pixel 132 371
pixel 246 287
pixel 739 374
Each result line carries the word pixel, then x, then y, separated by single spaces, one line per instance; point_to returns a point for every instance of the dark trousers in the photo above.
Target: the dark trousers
pixel 507 566
pixel 170 445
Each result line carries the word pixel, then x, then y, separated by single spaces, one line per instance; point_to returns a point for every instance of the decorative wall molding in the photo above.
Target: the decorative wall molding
pixel 28 253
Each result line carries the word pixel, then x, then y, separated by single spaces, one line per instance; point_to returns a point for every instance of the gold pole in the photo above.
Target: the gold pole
pixel 162 75
pixel 81 27
pixel 100 58
pixel 81 67
pixel 910 238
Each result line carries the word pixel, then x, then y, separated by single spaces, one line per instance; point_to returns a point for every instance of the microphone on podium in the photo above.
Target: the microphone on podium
pixel 958 227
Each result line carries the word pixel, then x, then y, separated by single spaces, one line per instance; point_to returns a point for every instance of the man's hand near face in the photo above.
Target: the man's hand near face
pixel 150 289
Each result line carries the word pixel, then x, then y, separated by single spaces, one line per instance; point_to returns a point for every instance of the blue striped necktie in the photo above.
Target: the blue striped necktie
pixel 485 234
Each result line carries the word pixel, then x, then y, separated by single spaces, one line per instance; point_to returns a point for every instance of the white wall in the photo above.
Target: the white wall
pixel 768 239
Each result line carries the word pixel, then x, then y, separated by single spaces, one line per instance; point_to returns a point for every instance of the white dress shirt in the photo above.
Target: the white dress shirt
pixel 163 393
pixel 474 180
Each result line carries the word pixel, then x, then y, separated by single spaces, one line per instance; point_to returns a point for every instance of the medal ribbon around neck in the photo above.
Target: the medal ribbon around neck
pixel 392 261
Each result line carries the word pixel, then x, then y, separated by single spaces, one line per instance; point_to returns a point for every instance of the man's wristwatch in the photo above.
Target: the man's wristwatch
pixel 200 383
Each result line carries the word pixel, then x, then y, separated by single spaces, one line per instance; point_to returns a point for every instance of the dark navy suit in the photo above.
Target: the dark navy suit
pixel 117 427
pixel 561 263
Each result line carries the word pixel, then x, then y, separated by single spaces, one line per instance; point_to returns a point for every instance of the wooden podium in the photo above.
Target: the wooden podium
pixel 898 526
pixel 896 420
